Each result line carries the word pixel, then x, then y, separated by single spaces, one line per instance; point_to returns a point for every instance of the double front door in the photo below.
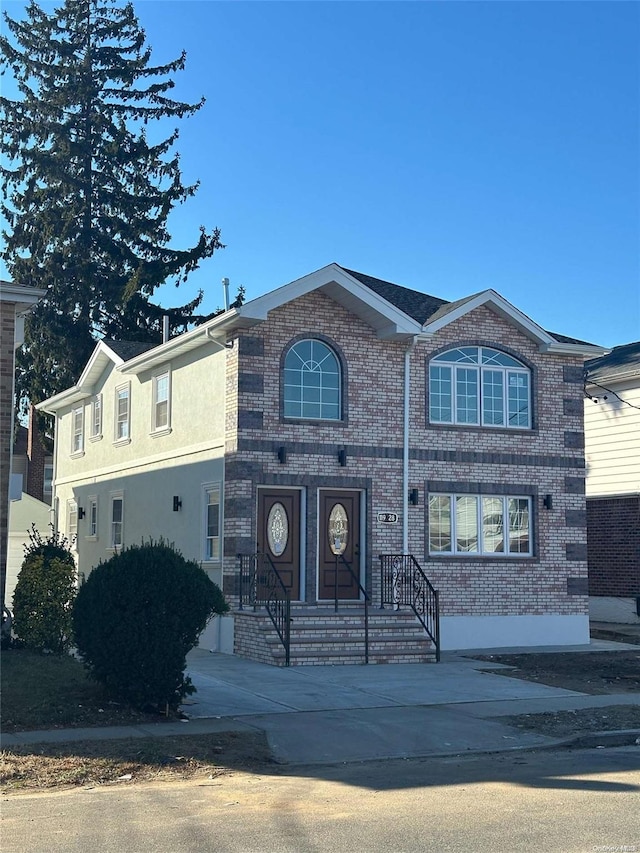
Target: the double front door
pixel 338 539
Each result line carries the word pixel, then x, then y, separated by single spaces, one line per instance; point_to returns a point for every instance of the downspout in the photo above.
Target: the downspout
pixel 53 509
pixel 405 446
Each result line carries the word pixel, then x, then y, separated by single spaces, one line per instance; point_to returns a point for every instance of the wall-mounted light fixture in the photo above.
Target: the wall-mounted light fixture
pixel 177 503
pixel 282 455
pixel 81 513
pixel 414 497
pixel 547 501
pixel 342 457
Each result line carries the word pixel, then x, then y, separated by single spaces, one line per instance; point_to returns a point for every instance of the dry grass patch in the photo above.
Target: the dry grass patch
pixel 92 763
pixel 564 724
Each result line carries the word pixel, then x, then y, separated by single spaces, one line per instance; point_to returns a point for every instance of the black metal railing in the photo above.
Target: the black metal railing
pixel 365 597
pixel 404 583
pixel 262 586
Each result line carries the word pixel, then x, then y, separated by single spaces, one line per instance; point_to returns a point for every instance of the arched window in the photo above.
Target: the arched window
pixel 312 382
pixel 481 386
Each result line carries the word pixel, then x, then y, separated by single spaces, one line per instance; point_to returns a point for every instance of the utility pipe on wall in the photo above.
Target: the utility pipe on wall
pixel 405 446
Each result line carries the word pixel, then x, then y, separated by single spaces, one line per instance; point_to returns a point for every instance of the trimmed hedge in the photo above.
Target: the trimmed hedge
pixel 44 594
pixel 136 617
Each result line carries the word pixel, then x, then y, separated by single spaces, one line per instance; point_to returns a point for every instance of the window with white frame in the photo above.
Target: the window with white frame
pixel 92 517
pixel 77 430
pixel 72 521
pixel 479 386
pixel 96 417
pixel 495 525
pixel 161 402
pixel 47 483
pixel 123 413
pixel 116 537
pixel 211 521
pixel 312 382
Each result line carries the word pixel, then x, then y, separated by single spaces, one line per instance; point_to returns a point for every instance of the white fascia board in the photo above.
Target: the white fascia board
pixel 257 309
pixel 396 321
pixel 492 299
pixel 100 358
pixel 61 400
pixel 213 330
pixel 22 297
pixel 586 350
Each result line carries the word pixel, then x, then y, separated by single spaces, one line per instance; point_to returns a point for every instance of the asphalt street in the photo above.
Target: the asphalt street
pixel 579 801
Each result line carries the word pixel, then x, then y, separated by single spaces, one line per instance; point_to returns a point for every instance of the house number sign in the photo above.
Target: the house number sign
pixel 388 517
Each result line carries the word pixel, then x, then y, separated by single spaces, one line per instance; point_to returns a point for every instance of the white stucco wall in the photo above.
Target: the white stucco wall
pixel 22 514
pixel 490 632
pixel 149 469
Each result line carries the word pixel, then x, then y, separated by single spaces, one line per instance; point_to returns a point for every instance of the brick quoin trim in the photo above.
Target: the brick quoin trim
pixel 613 542
pixel 7 366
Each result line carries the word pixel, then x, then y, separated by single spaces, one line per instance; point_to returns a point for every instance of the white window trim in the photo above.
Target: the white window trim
pixel 96 436
pixel 77 452
pixel 498 555
pixel 92 501
pixel 72 509
pixel 118 441
pixel 479 369
pixel 156 430
pixel 115 496
pixel 285 400
pixel 206 489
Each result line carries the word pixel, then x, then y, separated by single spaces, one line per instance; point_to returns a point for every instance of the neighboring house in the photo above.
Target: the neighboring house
pixel 32 463
pixel 30 496
pixel 612 434
pixel 329 422
pixel 15 302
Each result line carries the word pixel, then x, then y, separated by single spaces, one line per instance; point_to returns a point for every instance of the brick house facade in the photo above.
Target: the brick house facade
pixel 493 511
pixel 15 302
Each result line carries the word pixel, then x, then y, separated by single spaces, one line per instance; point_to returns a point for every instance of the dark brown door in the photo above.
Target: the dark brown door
pixel 339 537
pixel 279 534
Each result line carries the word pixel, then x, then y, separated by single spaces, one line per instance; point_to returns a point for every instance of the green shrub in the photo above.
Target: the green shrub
pixel 136 617
pixel 44 593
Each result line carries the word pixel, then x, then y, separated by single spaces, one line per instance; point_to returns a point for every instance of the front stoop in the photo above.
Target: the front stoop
pixel 321 636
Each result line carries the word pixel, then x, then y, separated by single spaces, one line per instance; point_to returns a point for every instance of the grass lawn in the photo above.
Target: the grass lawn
pixel 50 691
pixel 53 691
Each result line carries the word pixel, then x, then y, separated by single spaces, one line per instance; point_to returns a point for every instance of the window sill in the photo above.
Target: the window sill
pixel 121 442
pixel 482 428
pixel 95 438
pixel 77 455
pixel 157 433
pixel 482 557
pixel 341 422
pixel 91 538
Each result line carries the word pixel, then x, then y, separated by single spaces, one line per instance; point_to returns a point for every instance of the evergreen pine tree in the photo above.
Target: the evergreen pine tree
pixel 87 193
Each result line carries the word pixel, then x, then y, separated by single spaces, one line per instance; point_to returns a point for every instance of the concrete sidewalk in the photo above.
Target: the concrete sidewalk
pixel 328 714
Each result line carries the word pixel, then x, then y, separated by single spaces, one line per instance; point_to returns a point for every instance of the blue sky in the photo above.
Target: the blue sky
pixel 446 146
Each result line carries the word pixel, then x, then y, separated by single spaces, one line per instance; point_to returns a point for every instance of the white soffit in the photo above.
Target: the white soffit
pixel 101 357
pixel 387 320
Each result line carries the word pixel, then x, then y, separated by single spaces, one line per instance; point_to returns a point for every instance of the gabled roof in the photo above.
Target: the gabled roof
pixel 105 353
pixel 621 363
pixel 418 305
pixel 392 311
pixel 128 349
